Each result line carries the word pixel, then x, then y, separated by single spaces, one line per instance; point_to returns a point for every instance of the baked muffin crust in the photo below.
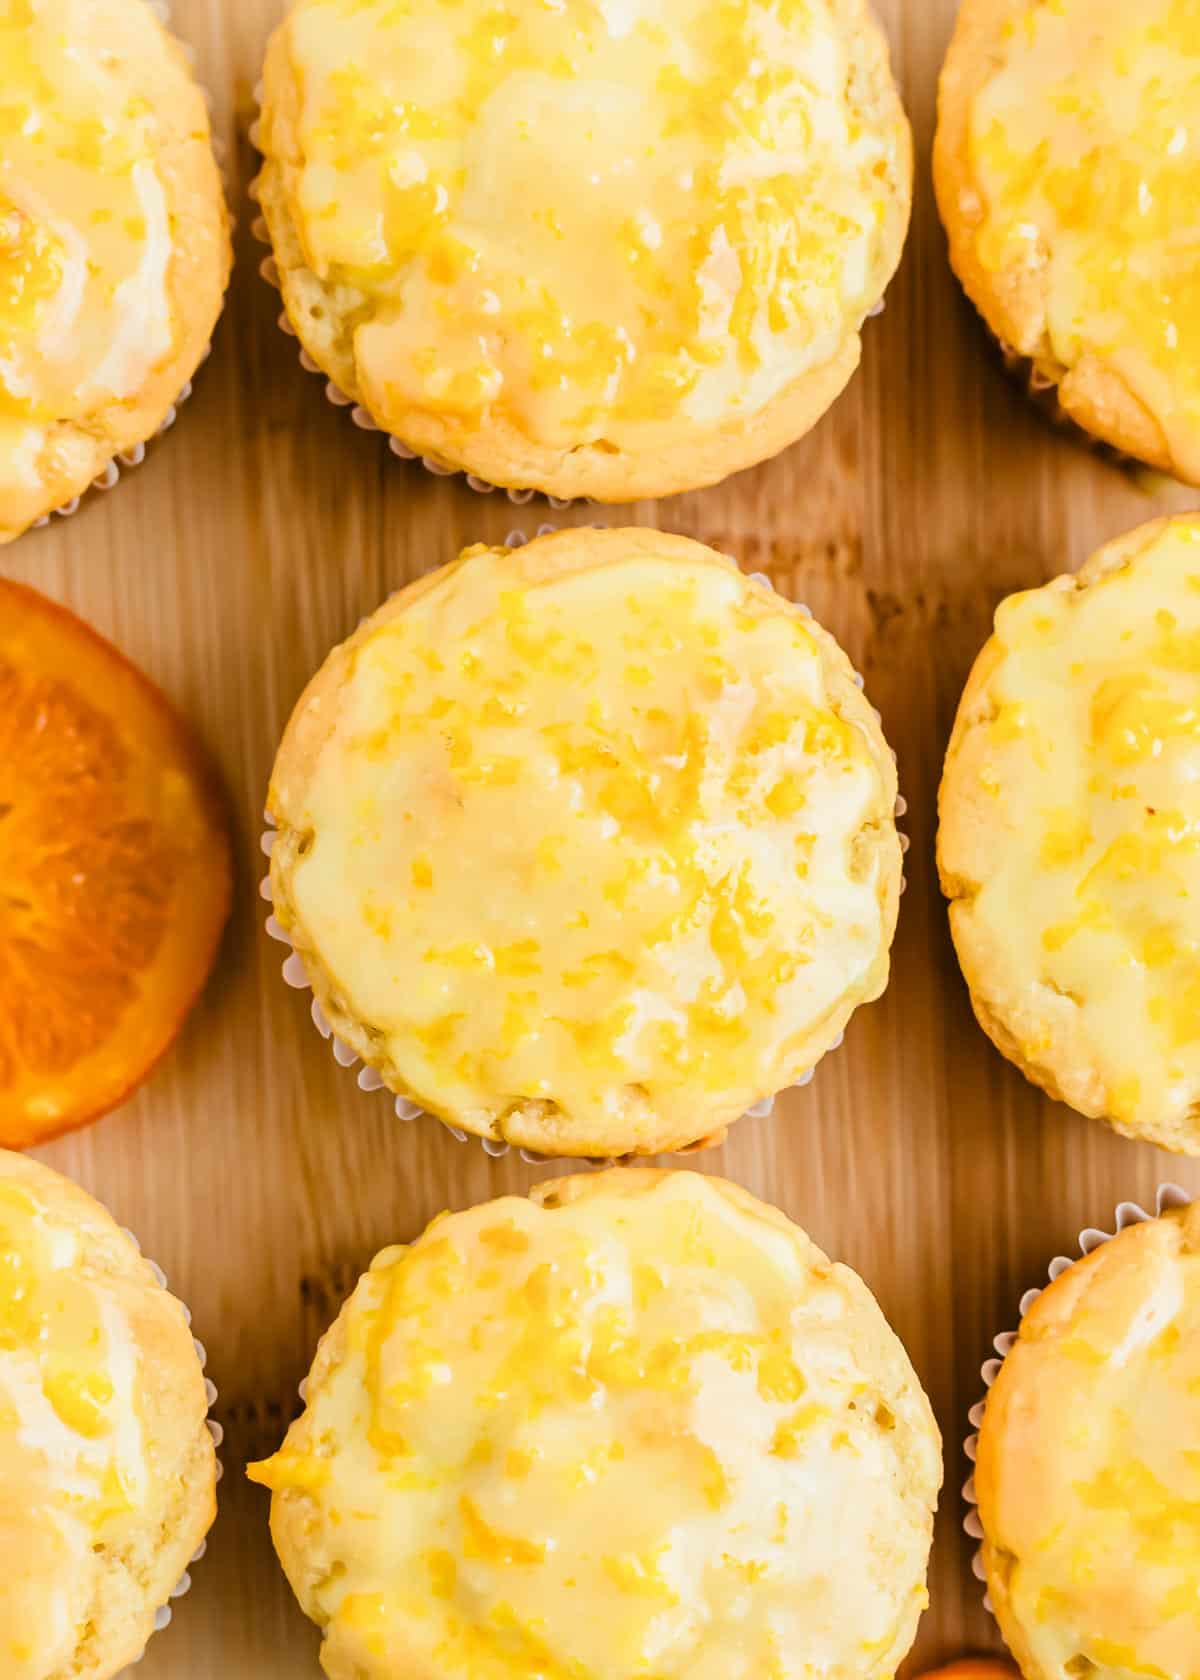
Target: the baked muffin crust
pixel 1086 1475
pixel 637 1422
pixel 595 251
pixel 1067 167
pixel 114 245
pixel 1068 842
pixel 588 846
pixel 107 1468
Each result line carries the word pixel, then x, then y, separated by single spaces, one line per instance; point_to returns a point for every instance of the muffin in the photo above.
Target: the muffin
pixel 107 1471
pixel 114 246
pixel 584 251
pixel 587 846
pixel 1068 845
pixel 636 1424
pixel 1067 166
pixel 1087 1477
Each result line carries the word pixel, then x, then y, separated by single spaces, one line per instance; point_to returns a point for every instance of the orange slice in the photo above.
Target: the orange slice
pixel 975 1668
pixel 115 871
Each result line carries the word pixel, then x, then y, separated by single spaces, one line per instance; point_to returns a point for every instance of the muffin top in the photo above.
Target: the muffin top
pixel 1068 168
pixel 1070 834
pixel 106 1467
pixel 113 250
pixel 588 845
pixel 597 249
pixel 1087 1479
pixel 637 1424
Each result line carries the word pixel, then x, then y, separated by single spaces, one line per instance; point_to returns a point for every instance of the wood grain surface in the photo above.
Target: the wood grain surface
pixel 258 533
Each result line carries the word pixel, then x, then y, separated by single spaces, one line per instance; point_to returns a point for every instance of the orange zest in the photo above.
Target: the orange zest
pixel 115 871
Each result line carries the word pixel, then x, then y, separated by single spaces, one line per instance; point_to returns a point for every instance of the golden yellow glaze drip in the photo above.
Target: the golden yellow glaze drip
pixel 70 1447
pixel 525 1465
pixel 1094 758
pixel 1096 1476
pixel 1086 145
pixel 585 218
pixel 84 227
pixel 592 841
pixel 31 272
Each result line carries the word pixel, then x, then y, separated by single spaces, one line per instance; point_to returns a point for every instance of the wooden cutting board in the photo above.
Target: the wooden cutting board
pixel 258 533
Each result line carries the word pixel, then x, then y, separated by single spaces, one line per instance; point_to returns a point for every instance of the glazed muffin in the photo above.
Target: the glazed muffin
pixel 1067 165
pixel 583 251
pixel 114 248
pixel 1070 834
pixel 587 846
pixel 635 1424
pixel 107 1471
pixel 1086 1478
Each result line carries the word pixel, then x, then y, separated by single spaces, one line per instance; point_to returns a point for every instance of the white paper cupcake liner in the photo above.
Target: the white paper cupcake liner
pixel 296 975
pixel 1166 1197
pixel 162 1616
pixel 123 463
pixel 1043 392
pixel 130 458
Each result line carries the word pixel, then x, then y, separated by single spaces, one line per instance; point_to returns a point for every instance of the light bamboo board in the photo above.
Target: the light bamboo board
pixel 257 534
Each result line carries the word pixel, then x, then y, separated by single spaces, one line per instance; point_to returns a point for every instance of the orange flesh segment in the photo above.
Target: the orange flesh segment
pixel 115 871
pixel 975 1668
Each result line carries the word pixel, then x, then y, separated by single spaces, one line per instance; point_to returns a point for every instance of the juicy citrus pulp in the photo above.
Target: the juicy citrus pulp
pixel 976 1668
pixel 115 871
